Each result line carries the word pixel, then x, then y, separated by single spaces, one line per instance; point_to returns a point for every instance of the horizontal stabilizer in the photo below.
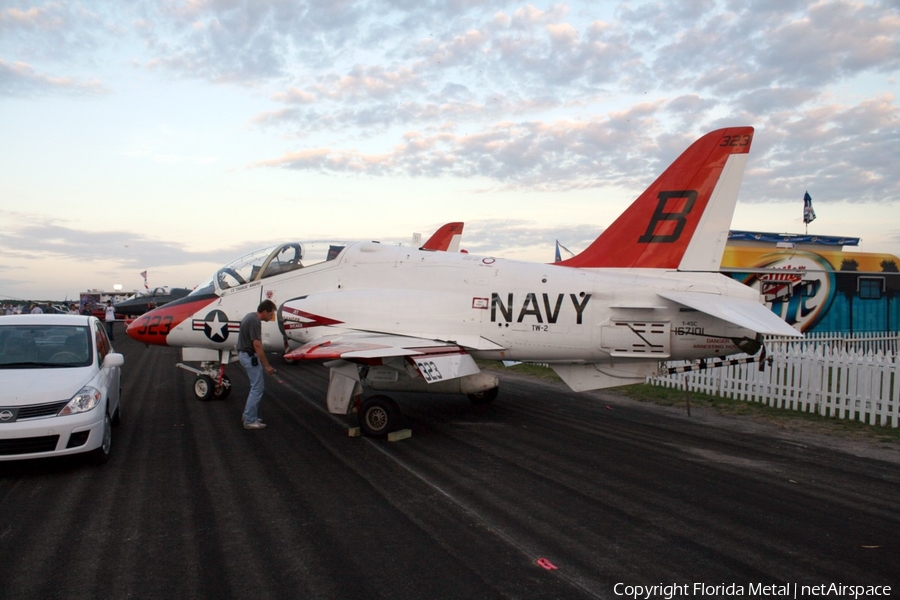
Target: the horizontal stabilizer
pixel 742 312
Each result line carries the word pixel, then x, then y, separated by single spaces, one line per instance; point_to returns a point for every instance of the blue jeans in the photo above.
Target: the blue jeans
pixel 257 385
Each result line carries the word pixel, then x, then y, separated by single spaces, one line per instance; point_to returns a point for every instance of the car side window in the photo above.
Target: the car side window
pixel 103 345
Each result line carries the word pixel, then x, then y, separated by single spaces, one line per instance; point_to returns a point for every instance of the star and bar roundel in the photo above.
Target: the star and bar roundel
pixel 216 326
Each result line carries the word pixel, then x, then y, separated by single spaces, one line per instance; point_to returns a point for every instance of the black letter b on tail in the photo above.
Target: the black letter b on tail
pixel 666 226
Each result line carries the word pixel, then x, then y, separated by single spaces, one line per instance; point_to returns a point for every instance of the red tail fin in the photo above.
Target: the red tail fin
pixel 681 220
pixel 446 238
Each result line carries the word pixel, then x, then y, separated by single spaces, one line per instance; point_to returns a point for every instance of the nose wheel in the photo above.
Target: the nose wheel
pixel 205 388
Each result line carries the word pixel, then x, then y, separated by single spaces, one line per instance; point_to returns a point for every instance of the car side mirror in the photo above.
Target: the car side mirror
pixel 113 359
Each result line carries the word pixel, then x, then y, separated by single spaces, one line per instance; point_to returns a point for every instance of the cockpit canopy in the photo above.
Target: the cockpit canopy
pixel 267 262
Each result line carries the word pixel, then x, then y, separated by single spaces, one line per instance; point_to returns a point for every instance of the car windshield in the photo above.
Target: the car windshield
pixel 59 346
pixel 268 262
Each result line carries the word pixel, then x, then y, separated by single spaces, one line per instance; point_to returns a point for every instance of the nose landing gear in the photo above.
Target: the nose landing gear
pixel 206 388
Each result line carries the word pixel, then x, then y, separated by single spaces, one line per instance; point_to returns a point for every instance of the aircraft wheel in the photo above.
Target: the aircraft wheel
pixel 378 416
pixel 204 388
pixel 485 397
pixel 226 388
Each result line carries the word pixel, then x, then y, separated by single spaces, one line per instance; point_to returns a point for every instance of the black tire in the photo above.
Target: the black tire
pixel 117 415
pixel 204 388
pixel 485 397
pixel 378 416
pixel 100 456
pixel 226 388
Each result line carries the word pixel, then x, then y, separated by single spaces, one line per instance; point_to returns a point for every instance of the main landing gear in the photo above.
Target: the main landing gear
pixel 485 397
pixel 379 415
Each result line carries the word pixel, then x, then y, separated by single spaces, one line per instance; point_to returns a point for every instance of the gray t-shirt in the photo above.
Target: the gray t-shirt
pixel 251 329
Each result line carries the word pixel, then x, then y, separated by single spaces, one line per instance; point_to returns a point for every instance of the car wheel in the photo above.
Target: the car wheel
pixel 117 416
pixel 101 455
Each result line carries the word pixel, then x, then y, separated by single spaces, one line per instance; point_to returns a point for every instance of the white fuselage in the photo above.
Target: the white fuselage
pixel 495 308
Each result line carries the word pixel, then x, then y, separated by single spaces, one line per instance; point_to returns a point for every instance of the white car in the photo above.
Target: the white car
pixel 59 387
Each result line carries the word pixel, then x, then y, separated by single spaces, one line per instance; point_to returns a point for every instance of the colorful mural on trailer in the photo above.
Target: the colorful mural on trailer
pixel 813 284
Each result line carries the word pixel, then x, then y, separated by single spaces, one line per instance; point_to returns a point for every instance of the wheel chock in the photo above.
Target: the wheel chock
pixel 400 434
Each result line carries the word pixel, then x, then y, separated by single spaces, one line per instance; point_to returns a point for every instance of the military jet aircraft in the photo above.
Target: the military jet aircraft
pixel 211 341
pixel 385 318
pixel 142 302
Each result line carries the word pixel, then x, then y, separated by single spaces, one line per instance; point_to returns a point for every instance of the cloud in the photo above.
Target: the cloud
pixel 528 63
pixel 838 147
pixel 533 155
pixel 841 151
pixel 248 42
pixel 22 80
pixel 832 40
pixel 521 63
pixel 33 237
pixel 511 95
pixel 509 238
pixel 58 31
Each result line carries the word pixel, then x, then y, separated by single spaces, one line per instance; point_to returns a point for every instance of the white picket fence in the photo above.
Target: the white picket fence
pixel 888 343
pixel 842 380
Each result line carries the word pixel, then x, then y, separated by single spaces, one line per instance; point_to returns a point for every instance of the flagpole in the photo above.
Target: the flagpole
pixel 808 213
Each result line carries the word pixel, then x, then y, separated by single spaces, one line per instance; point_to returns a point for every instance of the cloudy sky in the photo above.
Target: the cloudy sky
pixel 173 135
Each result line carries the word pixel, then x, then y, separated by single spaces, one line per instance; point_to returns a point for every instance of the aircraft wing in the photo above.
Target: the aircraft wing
pixel 746 313
pixel 429 357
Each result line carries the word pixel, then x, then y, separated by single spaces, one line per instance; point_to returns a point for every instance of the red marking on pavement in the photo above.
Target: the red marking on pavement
pixel 546 564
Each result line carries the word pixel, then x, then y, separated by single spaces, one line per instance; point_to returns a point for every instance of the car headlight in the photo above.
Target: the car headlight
pixel 86 399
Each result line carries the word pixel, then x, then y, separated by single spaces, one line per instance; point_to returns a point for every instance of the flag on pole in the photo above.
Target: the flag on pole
pixel 559 246
pixel 144 275
pixel 809 215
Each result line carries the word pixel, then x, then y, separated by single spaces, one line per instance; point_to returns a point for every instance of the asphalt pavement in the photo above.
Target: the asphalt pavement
pixel 544 493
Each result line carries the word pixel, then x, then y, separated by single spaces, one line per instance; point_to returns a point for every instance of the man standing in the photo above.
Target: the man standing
pixel 254 361
pixel 109 315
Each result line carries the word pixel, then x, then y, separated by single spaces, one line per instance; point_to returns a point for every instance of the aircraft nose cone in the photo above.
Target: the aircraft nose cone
pixel 151 327
pixel 154 327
